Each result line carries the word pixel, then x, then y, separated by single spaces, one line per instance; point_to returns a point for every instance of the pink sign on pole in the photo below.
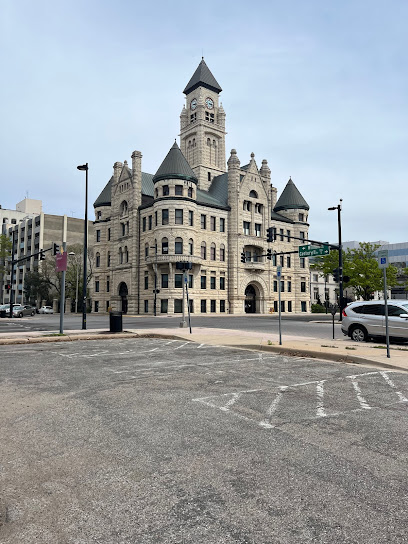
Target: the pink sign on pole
pixel 61 261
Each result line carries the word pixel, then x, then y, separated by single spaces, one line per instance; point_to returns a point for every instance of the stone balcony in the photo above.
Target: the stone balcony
pixel 257 265
pixel 172 258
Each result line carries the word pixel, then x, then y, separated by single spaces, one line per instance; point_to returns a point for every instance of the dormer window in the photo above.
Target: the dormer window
pixel 253 194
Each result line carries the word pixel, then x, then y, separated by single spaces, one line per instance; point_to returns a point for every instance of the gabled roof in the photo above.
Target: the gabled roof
pixel 291 199
pixel 202 77
pixel 175 166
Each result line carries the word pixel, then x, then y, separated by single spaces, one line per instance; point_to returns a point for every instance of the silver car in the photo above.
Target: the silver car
pixel 366 319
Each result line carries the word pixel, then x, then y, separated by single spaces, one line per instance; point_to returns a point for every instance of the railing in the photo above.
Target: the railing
pixel 173 258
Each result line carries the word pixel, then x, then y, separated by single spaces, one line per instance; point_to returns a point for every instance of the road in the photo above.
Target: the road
pixel 155 441
pixel 295 325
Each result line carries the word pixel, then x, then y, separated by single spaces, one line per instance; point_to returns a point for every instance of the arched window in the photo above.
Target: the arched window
pixel 98 260
pixel 165 246
pixel 126 255
pixel 178 246
pixel 222 252
pixel 203 250
pixel 208 141
pixel 212 253
pixel 146 250
pixel 120 256
pixel 123 208
pixel 108 259
pixel 253 194
pixel 191 247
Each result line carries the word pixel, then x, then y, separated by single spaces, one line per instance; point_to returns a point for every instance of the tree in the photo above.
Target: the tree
pixel 5 252
pixel 361 267
pixel 36 287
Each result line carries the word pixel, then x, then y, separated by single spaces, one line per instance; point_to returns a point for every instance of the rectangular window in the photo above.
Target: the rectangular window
pixel 107 284
pixel 150 222
pixel 281 260
pixel 303 306
pixel 282 286
pixel 222 224
pixel 212 282
pixel 190 281
pixel 301 218
pixel 178 190
pixel 209 117
pixel 109 233
pixel 281 235
pixel 123 225
pixel 191 218
pixel 191 301
pixel 246 227
pixel 275 305
pixel 222 254
pixel 179 217
pixel 257 230
pixel 289 286
pixel 193 117
pixel 165 217
pixel 97 286
pixel 155 219
pixel 203 282
pixel 275 286
pixel 144 224
pixel 146 306
pixel 164 304
pixel 288 235
pixel 274 259
pixel 213 305
pixel 303 287
pixel 302 262
pixel 178 305
pixel 146 281
pixel 282 305
pixel 288 262
pixel 203 221
pixel 96 305
pixel 213 223
pixel 222 306
pixel 302 235
pixel 203 306
pixel 178 280
pixel 315 277
pixel 164 281
pixel 289 305
pixel 165 246
pixel 107 306
pixel 98 235
pixel 166 192
pixel 222 283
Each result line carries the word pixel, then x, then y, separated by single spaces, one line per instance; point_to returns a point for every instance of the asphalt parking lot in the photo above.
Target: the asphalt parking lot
pixel 165 441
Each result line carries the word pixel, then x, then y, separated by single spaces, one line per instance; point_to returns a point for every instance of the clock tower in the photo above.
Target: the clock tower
pixel 202 127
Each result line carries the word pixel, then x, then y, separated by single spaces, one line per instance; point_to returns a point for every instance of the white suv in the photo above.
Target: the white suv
pixel 365 319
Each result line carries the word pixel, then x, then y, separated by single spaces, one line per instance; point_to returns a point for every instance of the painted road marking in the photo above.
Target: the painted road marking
pixel 300 399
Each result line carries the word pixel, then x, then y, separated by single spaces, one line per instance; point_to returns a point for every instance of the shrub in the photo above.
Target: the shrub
pixel 318 309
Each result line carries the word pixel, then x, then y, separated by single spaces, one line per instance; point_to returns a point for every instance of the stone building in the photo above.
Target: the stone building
pixel 200 209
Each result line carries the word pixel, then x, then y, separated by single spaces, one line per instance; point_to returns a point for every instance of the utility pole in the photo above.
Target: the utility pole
pixel 341 301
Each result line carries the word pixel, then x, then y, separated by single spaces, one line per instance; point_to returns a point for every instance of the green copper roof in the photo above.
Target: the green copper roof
pixel 202 77
pixel 291 199
pixel 175 166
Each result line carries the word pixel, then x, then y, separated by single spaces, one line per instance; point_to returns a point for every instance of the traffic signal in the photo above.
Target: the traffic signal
pixel 270 234
pixel 269 254
pixel 42 255
pixel 336 275
pixel 55 249
pixel 243 259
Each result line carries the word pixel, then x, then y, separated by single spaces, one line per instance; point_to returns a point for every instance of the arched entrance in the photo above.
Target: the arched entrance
pixel 123 292
pixel 250 300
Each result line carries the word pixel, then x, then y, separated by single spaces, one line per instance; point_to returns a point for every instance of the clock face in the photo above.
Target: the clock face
pixel 209 102
pixel 193 104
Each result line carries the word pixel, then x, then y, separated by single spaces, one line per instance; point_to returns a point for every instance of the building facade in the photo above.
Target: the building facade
pixel 202 209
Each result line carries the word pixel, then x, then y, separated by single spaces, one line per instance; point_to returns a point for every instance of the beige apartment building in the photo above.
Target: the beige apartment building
pixel 199 208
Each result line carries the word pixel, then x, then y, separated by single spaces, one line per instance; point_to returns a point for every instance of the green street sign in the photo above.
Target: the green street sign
pixel 313 251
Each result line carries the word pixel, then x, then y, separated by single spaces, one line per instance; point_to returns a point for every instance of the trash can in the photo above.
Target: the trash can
pixel 2 313
pixel 115 322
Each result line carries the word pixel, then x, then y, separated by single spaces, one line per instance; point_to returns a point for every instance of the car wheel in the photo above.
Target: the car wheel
pixel 20 315
pixel 32 313
pixel 358 334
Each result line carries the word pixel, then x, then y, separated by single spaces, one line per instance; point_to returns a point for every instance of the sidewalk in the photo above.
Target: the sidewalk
pixel 341 350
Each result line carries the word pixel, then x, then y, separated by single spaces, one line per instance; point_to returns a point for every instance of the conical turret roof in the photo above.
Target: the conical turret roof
pixel 291 199
pixel 204 78
pixel 175 166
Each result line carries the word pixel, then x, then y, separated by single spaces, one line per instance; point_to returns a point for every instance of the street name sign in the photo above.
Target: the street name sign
pixel 313 251
pixel 383 258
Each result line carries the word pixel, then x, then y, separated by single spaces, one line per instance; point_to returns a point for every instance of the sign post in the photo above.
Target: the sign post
pixel 279 274
pixel 61 266
pixel 383 263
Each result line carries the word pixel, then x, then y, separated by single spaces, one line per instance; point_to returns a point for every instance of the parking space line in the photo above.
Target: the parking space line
pixel 384 374
pixel 363 403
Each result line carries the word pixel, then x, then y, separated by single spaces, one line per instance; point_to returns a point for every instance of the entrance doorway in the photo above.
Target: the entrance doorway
pixel 123 293
pixel 250 300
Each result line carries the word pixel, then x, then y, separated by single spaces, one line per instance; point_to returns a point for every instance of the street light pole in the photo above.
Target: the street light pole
pixel 338 208
pixel 85 167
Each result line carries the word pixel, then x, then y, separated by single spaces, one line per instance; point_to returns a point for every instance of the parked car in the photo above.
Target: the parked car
pixel 366 319
pixel 46 310
pixel 20 310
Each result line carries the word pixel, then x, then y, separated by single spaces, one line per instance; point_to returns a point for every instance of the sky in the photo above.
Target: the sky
pixel 318 88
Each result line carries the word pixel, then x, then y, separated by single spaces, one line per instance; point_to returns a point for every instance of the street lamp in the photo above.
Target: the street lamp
pixel 338 208
pixel 85 167
pixel 71 253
